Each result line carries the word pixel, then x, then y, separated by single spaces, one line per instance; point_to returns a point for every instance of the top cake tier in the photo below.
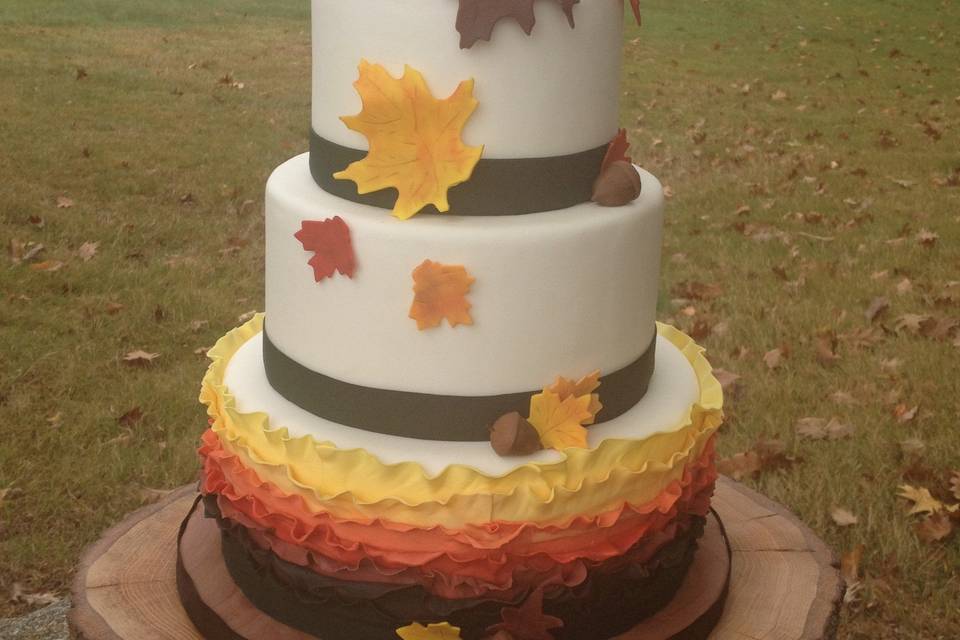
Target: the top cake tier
pixel 551 93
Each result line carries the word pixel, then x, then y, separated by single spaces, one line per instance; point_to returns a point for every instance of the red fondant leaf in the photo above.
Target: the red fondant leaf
pixel 617 151
pixel 329 240
pixel 528 621
pixel 477 18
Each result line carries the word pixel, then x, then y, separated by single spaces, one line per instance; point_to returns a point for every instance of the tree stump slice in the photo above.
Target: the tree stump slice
pixel 783 581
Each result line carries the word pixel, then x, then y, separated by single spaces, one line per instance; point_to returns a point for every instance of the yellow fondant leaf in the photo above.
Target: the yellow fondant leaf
pixel 560 421
pixel 564 387
pixel 440 291
pixel 417 631
pixel 415 143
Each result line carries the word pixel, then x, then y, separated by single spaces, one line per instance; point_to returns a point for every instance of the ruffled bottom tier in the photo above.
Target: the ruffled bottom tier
pixel 342 542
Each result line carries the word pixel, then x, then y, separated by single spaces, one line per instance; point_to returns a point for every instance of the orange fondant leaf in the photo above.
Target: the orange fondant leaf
pixel 440 291
pixel 441 631
pixel 415 143
pixel 560 421
pixel 586 385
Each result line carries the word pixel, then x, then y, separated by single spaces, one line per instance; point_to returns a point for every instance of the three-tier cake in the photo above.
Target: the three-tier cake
pixel 458 417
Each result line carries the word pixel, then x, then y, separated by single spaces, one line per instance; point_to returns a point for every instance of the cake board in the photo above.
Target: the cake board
pixel 783 581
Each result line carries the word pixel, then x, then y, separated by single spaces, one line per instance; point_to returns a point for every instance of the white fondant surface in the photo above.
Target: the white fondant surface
pixel 556 293
pixel 673 390
pixel 552 93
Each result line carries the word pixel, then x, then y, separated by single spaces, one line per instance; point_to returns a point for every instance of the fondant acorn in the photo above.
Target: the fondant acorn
pixel 618 185
pixel 512 435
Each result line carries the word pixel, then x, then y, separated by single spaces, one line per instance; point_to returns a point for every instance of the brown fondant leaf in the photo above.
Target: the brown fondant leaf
pixel 477 18
pixel 528 621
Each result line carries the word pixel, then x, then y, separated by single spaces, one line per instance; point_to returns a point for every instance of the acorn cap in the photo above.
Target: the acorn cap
pixel 512 435
pixel 618 185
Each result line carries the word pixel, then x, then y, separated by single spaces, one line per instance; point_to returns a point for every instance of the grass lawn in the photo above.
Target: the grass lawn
pixel 812 244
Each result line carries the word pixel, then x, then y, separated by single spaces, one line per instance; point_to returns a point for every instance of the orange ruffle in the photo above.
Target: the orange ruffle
pixel 460 563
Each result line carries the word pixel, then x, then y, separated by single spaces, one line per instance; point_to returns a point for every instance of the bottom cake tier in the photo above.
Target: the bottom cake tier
pixel 351 535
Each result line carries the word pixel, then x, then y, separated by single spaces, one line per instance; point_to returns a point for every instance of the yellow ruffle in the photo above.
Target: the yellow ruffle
pixel 355 483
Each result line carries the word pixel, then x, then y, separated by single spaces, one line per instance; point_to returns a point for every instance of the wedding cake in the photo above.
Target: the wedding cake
pixel 458 417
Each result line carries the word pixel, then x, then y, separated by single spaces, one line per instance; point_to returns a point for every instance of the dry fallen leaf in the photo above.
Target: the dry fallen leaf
pixel 876 308
pixel 812 428
pixel 728 380
pixel 927 238
pixel 113 308
pixel 18 595
pixel 64 202
pixel 87 251
pixel 740 466
pixel 246 317
pixel 826 348
pixel 934 528
pixel 923 501
pixel 911 322
pixel 820 429
pixel 149 496
pixel 693 290
pixel 844 398
pixel 850 565
pixel 842 517
pixel 48 265
pixel 913 447
pixel 904 413
pixel 140 358
pixel 955 484
pixel 131 417
pixel 773 359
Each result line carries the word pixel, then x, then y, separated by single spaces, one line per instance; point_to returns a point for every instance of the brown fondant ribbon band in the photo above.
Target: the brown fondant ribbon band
pixel 426 416
pixel 498 187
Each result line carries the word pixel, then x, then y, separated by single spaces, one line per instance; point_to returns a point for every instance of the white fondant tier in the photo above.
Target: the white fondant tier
pixel 556 293
pixel 555 92
pixel 673 390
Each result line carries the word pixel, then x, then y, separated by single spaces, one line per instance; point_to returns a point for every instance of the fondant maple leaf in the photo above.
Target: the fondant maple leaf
pixel 329 240
pixel 440 292
pixel 560 421
pixel 617 151
pixel 477 18
pixel 417 631
pixel 528 622
pixel 566 388
pixel 415 139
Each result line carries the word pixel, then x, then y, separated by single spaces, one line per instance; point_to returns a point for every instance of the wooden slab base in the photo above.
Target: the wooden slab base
pixel 783 582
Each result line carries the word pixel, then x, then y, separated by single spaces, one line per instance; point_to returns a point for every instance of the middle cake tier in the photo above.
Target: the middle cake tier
pixel 557 293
